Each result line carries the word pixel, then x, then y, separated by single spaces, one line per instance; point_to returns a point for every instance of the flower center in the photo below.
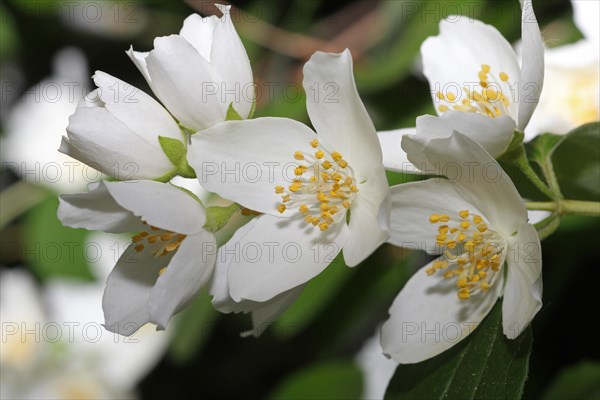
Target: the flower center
pixel 323 189
pixel 161 242
pixel 471 252
pixel 489 98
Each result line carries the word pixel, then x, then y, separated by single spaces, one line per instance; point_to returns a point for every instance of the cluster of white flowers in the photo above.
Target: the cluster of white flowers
pixel 311 194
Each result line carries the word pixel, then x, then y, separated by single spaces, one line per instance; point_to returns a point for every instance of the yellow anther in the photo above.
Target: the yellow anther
pixel 477 219
pixel 152 238
pixel 166 236
pixel 433 218
pixel 477 237
pixel 294 187
pixel 465 224
pixel 482 227
pixel 154 228
pixel 453 230
pixel 144 234
pixel 325 177
pixel 485 68
pixel 281 208
pixel 336 177
pixel 326 164
pixel 441 237
pixel 463 213
pixel 461 237
pixel 162 271
pixel 439 264
pixel 313 179
pixel 443 229
pixel 440 95
pixel 346 204
pixel 136 238
pixel 336 156
pixel 451 244
pixel 300 170
pixel 469 246
pixel 444 218
pixel 503 76
pixel 323 226
pixel 303 208
pixel 451 96
pixel 448 274
pixel 315 221
pixel 279 189
pixel 286 197
pixel 482 274
pixel 353 189
pixel 319 154
pixel 464 294
pixel 299 156
pixel 343 163
pixel 475 278
pixel 461 283
pixel 482 76
pixel 333 210
pixel 430 271
pixel 490 94
pixel 325 207
pixel 322 197
pixel 484 286
pixel 139 248
pixel 172 246
pixel 443 108
pixel 314 143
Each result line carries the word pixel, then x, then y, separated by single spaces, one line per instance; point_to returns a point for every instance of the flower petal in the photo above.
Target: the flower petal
pixel 412 205
pixel 366 234
pixel 243 161
pixel 182 80
pixel 160 204
pixel 532 65
pixel 394 157
pixel 469 44
pixel 96 210
pixel 143 115
pixel 523 289
pixel 105 143
pixel 269 311
pixel 494 134
pixel 231 66
pixel 199 32
pixel 427 317
pixel 274 255
pixel 125 301
pixel 587 18
pixel 139 59
pixel 337 112
pixel 479 179
pixel 189 270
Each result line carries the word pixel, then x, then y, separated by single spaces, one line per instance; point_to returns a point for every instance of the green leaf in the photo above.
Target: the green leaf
pixel 576 161
pixel 540 149
pixel 193 326
pixel 331 380
pixel 581 381
pixel 232 114
pixel 484 365
pixel 176 152
pixel 51 249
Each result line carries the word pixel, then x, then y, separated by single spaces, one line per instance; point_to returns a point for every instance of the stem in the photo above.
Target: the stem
pixel 533 177
pixel 548 171
pixel 563 207
pixel 547 226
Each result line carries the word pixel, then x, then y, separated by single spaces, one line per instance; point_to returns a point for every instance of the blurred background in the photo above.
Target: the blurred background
pixel 52 277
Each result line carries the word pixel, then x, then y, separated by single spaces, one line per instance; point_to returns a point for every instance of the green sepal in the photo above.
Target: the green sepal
pixel 232 114
pixel 217 217
pixel 176 152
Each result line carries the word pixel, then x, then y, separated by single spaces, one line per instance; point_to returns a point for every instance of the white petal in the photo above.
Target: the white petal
pixel 394 157
pixel 231 66
pixel 587 17
pixel 377 368
pixel 494 134
pixel 125 301
pixel 479 179
pixel 160 204
pixel 523 289
pixel 143 115
pixel 366 234
pixel 275 255
pixel 96 210
pixel 427 317
pixel 412 205
pixel 337 112
pixel 182 80
pixel 532 65
pixel 189 270
pixel 139 59
pixel 199 32
pixel 269 311
pixel 106 144
pixel 243 161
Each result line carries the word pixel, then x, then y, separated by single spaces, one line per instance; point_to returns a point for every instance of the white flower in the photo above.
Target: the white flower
pixel 477 85
pixel 376 367
pixel 200 72
pixel 305 185
pixel 477 222
pixel 116 130
pixel 571 82
pixel 168 261
pixel 35 124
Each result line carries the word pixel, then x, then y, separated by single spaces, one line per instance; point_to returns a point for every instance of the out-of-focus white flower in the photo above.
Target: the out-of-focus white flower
pixel 305 184
pixel 571 94
pixel 377 368
pixel 38 120
pixel 199 73
pixel 478 226
pixel 477 84
pixel 168 261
